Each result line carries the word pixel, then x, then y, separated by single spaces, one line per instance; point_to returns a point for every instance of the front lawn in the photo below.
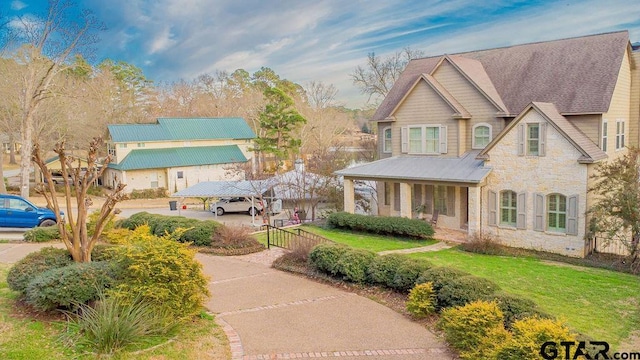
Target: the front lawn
pixel 25 337
pixel 600 303
pixel 372 242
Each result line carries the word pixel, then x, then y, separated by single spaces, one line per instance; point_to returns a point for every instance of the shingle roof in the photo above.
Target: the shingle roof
pixel 465 169
pixel 178 129
pixel 590 151
pixel 177 157
pixel 577 74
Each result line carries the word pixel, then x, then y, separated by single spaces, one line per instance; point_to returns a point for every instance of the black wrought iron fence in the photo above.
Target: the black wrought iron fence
pixel 292 238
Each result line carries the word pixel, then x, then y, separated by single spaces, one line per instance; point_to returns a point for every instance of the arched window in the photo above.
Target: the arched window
pixel 508 208
pixel 386 138
pixel 557 213
pixel 481 135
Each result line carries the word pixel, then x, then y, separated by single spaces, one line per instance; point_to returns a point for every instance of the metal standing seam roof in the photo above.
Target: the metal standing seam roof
pixel 178 157
pixel 182 129
pixel 239 188
pixel 465 169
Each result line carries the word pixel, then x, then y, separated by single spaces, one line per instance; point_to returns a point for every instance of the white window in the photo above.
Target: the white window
pixel 533 139
pixel 557 213
pixel 386 145
pixel 481 135
pixel 508 208
pixel 140 145
pixel 424 139
pixel 605 133
pixel 415 140
pixel 620 134
pixel 123 146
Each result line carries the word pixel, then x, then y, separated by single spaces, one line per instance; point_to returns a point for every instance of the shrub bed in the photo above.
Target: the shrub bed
pixel 26 269
pixel 529 334
pixel 352 265
pixel 516 308
pixel 438 276
pixel 67 287
pixel 325 257
pixel 382 269
pixel 386 225
pixel 42 234
pixel 162 272
pixel 463 290
pixel 407 274
pixel 199 233
pixel 475 330
pixel 422 300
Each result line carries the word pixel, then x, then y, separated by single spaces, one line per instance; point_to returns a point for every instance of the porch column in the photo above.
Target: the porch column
pixel 349 196
pixel 475 211
pixel 405 200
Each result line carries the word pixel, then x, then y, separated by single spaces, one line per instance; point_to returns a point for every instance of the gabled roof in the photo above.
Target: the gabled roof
pixel 178 157
pixel 182 129
pixel 577 74
pixel 474 71
pixel 590 151
pixel 459 111
pixel 465 169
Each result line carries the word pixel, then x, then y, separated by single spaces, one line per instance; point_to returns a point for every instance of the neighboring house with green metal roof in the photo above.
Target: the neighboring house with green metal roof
pixel 175 153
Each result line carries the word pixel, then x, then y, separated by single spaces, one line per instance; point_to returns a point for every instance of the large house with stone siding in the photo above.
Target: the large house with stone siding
pixel 504 141
pixel 175 153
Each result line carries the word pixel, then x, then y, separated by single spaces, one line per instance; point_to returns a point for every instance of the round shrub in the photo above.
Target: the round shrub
pixel 163 272
pixel 529 334
pixel 34 264
pixel 353 263
pixel 69 286
pixel 475 330
pixel 201 233
pixel 136 220
pixel 438 276
pixel 102 252
pixel 42 234
pixel 382 269
pixel 516 308
pixel 422 300
pixel 463 290
pixel 324 257
pixel 407 274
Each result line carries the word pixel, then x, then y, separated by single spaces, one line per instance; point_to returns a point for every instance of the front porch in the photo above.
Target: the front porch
pixel 419 186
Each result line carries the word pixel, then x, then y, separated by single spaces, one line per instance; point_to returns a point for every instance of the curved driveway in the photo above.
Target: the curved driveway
pixel 269 314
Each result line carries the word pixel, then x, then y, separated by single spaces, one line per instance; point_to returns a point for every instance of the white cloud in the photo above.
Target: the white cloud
pixel 18 5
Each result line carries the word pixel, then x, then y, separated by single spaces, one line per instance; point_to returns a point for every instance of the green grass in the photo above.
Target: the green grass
pixel 375 243
pixel 600 303
pixel 26 338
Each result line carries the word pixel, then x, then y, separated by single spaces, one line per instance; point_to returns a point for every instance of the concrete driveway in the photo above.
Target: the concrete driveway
pixel 269 314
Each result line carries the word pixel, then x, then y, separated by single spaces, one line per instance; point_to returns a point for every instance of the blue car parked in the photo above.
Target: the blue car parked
pixel 17 212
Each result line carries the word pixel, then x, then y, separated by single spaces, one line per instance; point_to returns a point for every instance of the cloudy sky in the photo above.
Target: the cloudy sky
pixel 324 40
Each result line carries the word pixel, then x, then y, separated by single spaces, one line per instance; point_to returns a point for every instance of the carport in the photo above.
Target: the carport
pixel 227 189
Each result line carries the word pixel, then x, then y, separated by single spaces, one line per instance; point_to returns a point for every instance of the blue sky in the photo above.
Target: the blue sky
pixel 324 40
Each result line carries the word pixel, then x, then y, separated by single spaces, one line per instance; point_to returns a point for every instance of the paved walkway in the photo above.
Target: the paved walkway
pixel 440 245
pixel 269 314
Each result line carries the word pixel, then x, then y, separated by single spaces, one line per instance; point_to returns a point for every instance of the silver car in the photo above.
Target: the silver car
pixel 237 204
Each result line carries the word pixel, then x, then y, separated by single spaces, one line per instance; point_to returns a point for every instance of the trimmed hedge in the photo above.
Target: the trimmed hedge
pixel 353 265
pixel 383 269
pixel 26 269
pixel 463 290
pixel 385 225
pixel 324 257
pixel 69 286
pixel 407 274
pixel 199 233
pixel 438 276
pixel 516 308
pixel 42 234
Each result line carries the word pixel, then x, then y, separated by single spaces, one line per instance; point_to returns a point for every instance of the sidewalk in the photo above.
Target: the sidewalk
pixel 269 314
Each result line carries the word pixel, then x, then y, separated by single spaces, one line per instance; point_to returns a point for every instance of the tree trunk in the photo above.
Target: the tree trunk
pixel 12 148
pixel 25 153
pixel 3 188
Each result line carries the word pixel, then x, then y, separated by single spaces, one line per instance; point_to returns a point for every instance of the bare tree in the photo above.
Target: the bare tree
pixel 320 95
pixel 76 183
pixel 48 45
pixel 379 74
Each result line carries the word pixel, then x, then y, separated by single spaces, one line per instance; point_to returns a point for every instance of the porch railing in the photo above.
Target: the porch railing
pixel 292 238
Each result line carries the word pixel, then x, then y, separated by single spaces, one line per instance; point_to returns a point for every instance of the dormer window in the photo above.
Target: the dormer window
pixel 481 136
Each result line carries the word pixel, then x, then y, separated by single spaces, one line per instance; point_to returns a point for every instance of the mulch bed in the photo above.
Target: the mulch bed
pixel 231 251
